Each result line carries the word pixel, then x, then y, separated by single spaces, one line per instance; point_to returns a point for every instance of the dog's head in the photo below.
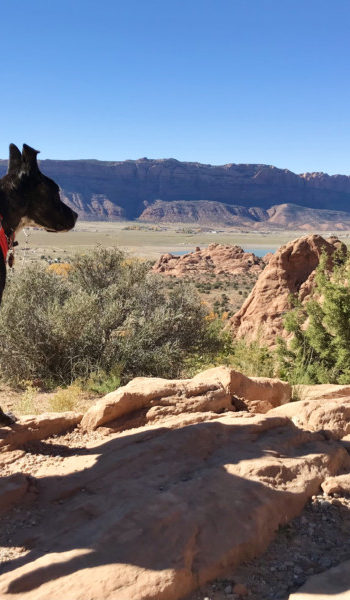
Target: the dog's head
pixel 36 196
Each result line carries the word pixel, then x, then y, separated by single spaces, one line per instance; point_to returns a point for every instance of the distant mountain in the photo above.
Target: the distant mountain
pixel 126 190
pixel 279 216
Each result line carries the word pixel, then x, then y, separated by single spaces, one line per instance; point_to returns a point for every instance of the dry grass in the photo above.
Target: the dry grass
pixel 32 401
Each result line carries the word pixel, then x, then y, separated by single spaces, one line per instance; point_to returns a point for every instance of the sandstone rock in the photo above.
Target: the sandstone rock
pixel 217 389
pixel 332 416
pixel 337 485
pixel 154 513
pixel 289 271
pixel 12 489
pixel 267 257
pixel 217 259
pixel 37 427
pixel 333 584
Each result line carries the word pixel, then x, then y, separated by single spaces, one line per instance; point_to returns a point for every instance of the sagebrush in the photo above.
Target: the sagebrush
pixel 106 311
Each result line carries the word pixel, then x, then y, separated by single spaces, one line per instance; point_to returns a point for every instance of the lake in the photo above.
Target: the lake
pixel 257 251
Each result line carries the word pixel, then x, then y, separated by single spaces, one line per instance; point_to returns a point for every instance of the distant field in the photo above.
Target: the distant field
pixel 146 242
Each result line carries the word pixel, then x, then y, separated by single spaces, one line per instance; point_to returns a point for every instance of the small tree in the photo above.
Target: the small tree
pixel 320 349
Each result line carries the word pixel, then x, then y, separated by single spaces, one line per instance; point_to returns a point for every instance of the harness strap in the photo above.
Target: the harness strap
pixel 3 243
pixel 6 241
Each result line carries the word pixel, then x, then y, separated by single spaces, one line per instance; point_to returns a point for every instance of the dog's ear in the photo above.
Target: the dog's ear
pixel 29 160
pixel 15 160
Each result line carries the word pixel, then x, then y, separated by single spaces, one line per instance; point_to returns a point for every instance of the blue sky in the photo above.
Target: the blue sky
pixel 214 81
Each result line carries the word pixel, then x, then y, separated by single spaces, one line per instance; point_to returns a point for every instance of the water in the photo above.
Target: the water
pixel 257 251
pixel 260 251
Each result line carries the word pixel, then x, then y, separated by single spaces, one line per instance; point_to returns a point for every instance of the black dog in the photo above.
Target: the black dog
pixel 27 198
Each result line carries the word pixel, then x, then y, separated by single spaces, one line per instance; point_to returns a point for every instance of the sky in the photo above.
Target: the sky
pixel 211 81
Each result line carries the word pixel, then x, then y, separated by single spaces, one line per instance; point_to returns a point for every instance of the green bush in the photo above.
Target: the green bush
pixel 107 311
pixel 249 358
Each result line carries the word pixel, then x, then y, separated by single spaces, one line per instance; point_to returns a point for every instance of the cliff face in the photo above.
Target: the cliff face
pixel 117 190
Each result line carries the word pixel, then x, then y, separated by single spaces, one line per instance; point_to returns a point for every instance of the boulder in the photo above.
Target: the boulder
pixel 153 513
pixel 38 427
pixel 216 390
pixel 333 584
pixel 217 258
pixel 289 271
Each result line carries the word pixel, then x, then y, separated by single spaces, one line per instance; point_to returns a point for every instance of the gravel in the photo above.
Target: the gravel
pixel 313 542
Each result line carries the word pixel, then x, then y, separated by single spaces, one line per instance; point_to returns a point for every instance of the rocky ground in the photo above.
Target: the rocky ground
pixel 312 543
pixel 165 485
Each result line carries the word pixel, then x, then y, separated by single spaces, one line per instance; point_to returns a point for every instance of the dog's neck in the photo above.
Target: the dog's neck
pixel 11 217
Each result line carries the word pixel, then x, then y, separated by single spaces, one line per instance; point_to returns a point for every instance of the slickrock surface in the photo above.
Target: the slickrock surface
pixel 217 259
pixel 289 271
pixel 153 513
pixel 179 490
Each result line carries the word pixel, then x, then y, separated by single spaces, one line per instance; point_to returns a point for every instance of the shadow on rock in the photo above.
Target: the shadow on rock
pixel 156 513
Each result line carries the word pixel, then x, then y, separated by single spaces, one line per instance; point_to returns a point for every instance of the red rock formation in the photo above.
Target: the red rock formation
pixel 217 258
pixel 289 271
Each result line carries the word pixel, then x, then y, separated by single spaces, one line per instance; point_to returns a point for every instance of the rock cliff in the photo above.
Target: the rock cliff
pixel 124 189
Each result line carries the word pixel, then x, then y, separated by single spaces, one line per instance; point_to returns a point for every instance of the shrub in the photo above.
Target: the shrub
pixel 105 311
pixel 66 399
pixel 27 403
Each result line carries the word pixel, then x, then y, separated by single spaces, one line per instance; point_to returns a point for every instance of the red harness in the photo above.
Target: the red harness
pixel 3 243
pixel 6 242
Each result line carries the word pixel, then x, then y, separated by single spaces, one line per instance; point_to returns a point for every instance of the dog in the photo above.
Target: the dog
pixel 27 198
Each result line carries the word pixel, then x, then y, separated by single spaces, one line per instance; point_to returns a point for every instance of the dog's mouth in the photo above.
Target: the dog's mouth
pixel 58 230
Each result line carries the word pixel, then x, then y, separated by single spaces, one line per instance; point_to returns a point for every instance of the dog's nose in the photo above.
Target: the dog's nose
pixel 75 216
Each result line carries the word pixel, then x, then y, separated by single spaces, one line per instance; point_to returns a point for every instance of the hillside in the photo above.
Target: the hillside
pixel 279 216
pixel 241 193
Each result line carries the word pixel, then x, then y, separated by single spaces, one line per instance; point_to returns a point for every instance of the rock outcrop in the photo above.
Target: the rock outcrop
pixel 216 390
pixel 217 258
pixel 289 271
pixel 38 427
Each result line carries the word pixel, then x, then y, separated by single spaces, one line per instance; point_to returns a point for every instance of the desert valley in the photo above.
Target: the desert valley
pixel 175 300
